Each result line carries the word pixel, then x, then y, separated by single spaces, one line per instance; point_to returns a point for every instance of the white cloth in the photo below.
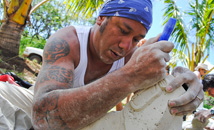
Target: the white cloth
pixel 15 107
pixel 18 96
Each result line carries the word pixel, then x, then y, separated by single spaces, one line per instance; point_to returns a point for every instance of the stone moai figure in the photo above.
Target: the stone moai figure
pixel 147 110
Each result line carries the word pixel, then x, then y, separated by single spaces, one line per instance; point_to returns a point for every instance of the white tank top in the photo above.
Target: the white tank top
pixel 79 72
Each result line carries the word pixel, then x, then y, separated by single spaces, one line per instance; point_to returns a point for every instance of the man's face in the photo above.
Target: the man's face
pixel 117 37
pixel 210 91
pixel 202 71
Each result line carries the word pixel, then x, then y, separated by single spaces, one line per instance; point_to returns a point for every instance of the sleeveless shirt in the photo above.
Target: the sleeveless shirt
pixel 79 72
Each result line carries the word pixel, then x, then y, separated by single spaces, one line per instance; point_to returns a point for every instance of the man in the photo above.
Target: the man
pixel 201 70
pixel 73 88
pixel 208 86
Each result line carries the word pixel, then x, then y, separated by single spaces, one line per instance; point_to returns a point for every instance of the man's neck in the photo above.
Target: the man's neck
pixel 96 68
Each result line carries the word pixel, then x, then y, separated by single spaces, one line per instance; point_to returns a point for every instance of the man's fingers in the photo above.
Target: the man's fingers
pixel 190 95
pixel 141 42
pixel 152 40
pixel 164 46
pixel 182 113
pixel 185 109
pixel 164 57
pixel 178 70
pixel 184 75
pixel 192 98
pixel 181 106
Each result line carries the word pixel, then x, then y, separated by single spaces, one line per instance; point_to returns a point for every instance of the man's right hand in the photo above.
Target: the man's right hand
pixel 148 62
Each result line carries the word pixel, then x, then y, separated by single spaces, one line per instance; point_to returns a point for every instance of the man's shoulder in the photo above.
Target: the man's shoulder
pixel 66 34
pixel 66 41
pixel 70 33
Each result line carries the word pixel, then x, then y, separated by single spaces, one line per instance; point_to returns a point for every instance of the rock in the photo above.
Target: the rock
pixel 147 110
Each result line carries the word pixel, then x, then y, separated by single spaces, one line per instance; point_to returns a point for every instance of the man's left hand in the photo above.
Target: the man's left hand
pixel 192 98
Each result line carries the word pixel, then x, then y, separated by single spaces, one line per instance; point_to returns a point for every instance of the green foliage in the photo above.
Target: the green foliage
pixel 82 8
pixel 27 40
pixel 178 54
pixel 208 101
pixel 193 34
pixel 1 12
pixel 20 75
pixel 51 17
pixel 46 20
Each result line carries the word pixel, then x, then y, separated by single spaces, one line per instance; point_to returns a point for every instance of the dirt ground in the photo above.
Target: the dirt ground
pixel 24 68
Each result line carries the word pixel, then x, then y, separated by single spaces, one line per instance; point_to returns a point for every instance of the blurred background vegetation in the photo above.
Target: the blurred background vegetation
pixel 50 17
pixel 46 20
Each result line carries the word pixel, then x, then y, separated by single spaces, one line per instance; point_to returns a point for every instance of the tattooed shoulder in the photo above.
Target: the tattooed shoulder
pixel 56 49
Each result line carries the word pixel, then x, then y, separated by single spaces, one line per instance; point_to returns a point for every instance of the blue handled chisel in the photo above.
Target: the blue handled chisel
pixel 168 29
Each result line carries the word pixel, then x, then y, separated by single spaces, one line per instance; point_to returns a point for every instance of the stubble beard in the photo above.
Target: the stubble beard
pixel 102 27
pixel 101 30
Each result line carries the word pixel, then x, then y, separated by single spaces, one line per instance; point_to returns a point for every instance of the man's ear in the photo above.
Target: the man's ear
pixel 100 19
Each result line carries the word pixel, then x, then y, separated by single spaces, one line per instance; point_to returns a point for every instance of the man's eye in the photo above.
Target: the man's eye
pixel 136 40
pixel 123 31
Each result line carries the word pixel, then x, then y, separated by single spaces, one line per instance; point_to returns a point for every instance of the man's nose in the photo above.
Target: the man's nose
pixel 126 45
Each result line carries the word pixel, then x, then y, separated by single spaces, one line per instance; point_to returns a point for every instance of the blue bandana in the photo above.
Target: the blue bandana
pixel 138 10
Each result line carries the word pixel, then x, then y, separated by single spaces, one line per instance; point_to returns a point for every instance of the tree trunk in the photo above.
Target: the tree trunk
pixel 10 35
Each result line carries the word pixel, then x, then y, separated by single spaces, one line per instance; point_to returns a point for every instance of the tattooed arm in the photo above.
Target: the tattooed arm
pixel 56 104
pixel 56 74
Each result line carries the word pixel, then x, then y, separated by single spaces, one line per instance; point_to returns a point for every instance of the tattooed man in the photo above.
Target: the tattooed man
pixel 87 71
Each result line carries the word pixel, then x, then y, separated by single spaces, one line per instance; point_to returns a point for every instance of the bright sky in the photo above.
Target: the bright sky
pixel 157 27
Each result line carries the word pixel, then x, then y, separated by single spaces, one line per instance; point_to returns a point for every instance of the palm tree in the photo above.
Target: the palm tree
pixel 83 8
pixel 194 39
pixel 16 15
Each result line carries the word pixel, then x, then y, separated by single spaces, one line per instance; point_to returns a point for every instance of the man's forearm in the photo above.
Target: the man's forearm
pixel 78 107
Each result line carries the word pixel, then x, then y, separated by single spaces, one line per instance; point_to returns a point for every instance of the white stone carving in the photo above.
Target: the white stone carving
pixel 147 110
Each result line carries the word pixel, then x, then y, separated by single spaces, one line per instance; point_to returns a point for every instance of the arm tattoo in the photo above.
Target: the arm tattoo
pixel 47 112
pixel 57 49
pixel 59 74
